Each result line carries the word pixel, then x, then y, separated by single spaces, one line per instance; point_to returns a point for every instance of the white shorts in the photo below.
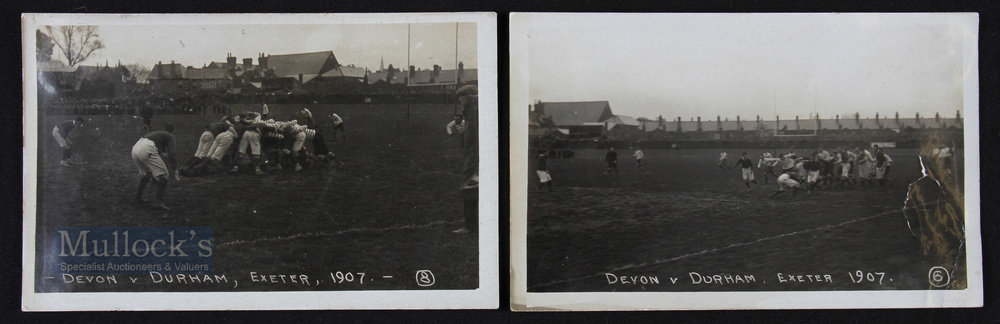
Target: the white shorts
pixel 300 139
pixel 221 145
pixel 544 176
pixel 880 173
pixel 204 144
pixel 252 140
pixel 865 170
pixel 147 159
pixel 59 139
pixel 785 182
pixel 748 174
pixel 812 176
pixel 845 170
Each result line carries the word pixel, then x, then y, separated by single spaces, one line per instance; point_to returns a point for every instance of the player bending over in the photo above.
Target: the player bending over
pixel 146 153
pixel 785 181
pixel 62 135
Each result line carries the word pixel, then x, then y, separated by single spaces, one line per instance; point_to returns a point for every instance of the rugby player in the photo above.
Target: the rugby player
pixel 882 165
pixel 638 158
pixel 612 159
pixel 338 126
pixel 468 97
pixel 785 181
pixel 544 178
pixel 62 133
pixel 747 167
pixel 146 153
pixel 865 167
pixel 723 161
pixel 813 169
pixel 766 163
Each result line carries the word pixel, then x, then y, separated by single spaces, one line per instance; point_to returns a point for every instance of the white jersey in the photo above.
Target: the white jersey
pixel 638 155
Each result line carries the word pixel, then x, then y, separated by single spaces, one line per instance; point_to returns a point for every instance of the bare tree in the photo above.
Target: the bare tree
pixel 43 46
pixel 76 43
pixel 139 72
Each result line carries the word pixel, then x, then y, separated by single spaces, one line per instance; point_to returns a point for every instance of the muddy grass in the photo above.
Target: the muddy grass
pixel 681 217
pixel 388 212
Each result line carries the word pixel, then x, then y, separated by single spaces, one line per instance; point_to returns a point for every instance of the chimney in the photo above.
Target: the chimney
pixel 247 63
pixel 796 122
pixel 877 121
pixel 300 78
pixel 159 69
pixel 919 125
pixel 958 115
pixel 699 124
pixel 837 117
pixel 461 69
pixel 819 123
pixel 738 124
pixel 857 118
pixel 718 122
pixel 413 70
pixel 262 61
pixel 231 60
pixel 679 129
pixel 897 118
pixel 171 62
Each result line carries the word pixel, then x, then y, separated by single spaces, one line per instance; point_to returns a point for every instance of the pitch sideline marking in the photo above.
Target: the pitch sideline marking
pixel 734 245
pixel 346 231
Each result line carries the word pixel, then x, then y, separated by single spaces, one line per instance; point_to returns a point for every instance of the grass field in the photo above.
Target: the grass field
pixel 388 212
pixel 682 217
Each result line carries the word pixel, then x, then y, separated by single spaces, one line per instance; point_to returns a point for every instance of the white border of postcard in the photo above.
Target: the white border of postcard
pixel 485 297
pixel 521 299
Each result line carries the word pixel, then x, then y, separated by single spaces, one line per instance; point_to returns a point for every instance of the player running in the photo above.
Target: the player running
pixel 62 133
pixel 638 158
pixel 813 169
pixel 338 127
pixel 723 161
pixel 146 153
pixel 767 163
pixel 747 166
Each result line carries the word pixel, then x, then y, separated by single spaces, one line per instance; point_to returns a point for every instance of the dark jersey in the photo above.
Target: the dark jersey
pixel 611 157
pixel 165 144
pixel 217 128
pixel 745 163
pixel 66 127
pixel 542 164
pixel 812 165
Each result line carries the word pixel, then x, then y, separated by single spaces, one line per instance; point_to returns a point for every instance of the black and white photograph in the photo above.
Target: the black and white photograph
pixel 260 161
pixel 744 161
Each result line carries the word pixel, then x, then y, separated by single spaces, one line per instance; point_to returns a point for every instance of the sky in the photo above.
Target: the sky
pixel 362 45
pixel 745 64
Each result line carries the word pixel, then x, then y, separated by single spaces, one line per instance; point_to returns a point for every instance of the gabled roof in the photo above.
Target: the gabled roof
pixel 54 66
pixel 168 71
pixel 345 71
pixel 577 113
pixel 317 63
pixel 620 120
